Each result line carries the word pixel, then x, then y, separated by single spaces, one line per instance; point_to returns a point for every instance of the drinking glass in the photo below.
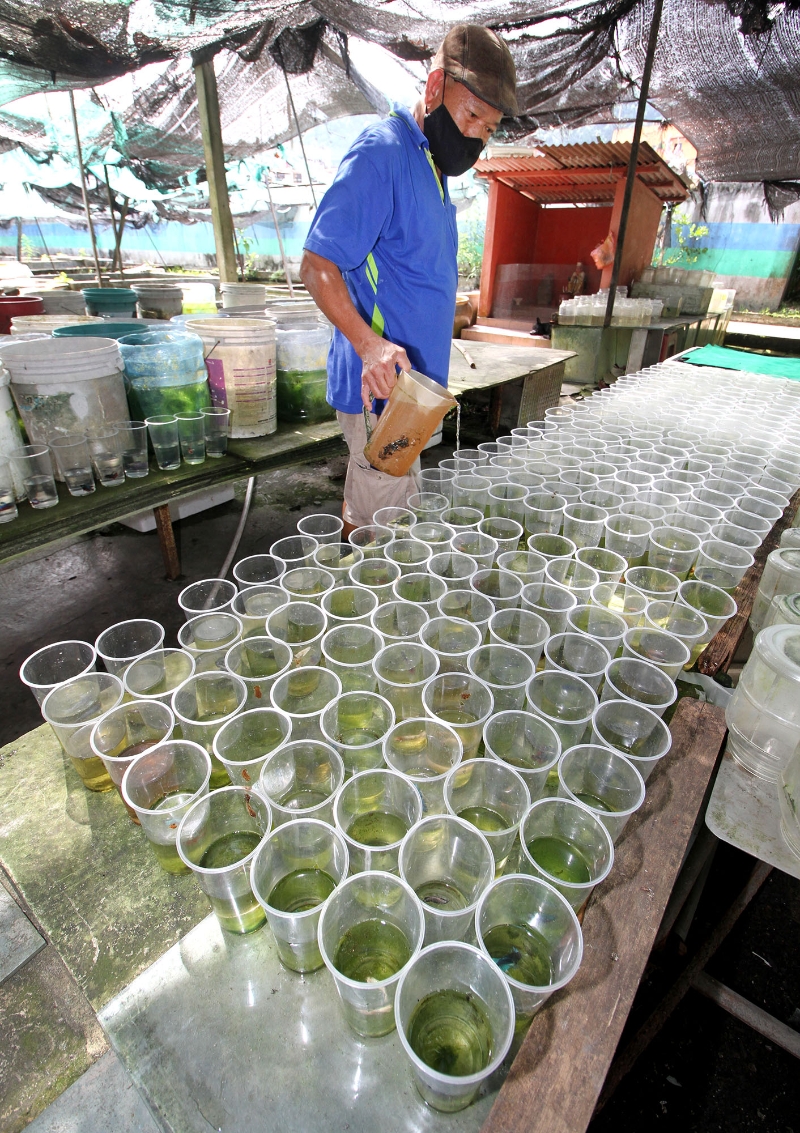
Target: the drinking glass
pixel 506 670
pixel 401 669
pixel 301 626
pixel 377 575
pixel 105 450
pixel 577 653
pixel 256 570
pixel 34 468
pixel 55 664
pixel 551 546
pixel 294 551
pixel 481 548
pixel 506 532
pixel 543 513
pixel 673 549
pixel 660 648
pixel 210 595
pixel 202 704
pixel 124 642
pixel 653 582
pixel 621 599
pixel 550 602
pixel 337 559
pixel 584 524
pixel 722 564
pixel 608 565
pixel 163 430
pixel 133 443
pixel 428 506
pixel 689 626
pixel 468 606
pixel 521 628
pixel 410 555
pixel 307 584
pixel 501 587
pixel 74 463
pixel 208 638
pixel 399 621
pixel 216 421
pixel 423 590
pixel 125 732
pixel 349 605
pixel 322 527
pixel 254 604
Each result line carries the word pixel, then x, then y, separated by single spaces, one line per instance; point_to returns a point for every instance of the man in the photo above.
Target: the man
pixel 380 258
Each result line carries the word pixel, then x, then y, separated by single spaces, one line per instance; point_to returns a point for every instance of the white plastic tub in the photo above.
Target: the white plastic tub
pixel 27 324
pixel 240 359
pixel 65 385
pixel 243 294
pixel 10 435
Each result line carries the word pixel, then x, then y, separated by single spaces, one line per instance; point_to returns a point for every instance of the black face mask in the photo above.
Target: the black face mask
pixel 451 150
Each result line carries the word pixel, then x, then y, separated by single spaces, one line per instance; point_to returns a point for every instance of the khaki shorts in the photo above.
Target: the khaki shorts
pixel 366 489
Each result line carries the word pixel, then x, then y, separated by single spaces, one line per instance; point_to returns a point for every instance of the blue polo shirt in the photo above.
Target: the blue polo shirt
pixel 390 228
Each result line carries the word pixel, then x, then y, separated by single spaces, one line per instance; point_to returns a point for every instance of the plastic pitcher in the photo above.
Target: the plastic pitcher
pixel 413 412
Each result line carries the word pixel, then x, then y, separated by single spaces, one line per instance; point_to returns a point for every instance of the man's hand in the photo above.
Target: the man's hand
pixel 380 359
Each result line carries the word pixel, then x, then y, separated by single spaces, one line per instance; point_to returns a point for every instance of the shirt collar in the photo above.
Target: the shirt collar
pixel 411 122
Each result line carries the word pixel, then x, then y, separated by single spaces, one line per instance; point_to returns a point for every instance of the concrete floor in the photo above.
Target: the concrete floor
pixel 706 1072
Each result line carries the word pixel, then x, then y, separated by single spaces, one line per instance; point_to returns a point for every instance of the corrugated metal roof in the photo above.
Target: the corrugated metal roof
pixel 579 173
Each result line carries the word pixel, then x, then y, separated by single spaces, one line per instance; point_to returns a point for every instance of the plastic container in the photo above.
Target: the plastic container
pixel 66 385
pixel 302 339
pixel 415 407
pixel 243 295
pixel 763 715
pixel 164 373
pixel 29 324
pixel 13 305
pixel 781 576
pixel 158 300
pixel 102 328
pixel 10 434
pixel 240 360
pixel 109 301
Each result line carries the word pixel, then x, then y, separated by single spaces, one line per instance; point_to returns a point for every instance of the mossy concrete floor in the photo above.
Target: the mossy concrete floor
pixel 705 1072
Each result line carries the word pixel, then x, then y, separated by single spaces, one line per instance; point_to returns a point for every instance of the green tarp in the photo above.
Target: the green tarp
pixel 728 359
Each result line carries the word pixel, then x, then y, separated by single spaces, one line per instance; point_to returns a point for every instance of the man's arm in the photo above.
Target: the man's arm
pixel 379 357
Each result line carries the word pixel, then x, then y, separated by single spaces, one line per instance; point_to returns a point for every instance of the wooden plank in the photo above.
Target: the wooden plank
pixel 166 537
pixel 748 1013
pixel 721 650
pixel 211 130
pixel 558 1074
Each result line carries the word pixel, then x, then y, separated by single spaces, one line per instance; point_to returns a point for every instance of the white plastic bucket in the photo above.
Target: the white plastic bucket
pixel 65 385
pixel 240 359
pixel 10 435
pixel 243 294
pixel 158 300
pixel 63 303
pixel 26 324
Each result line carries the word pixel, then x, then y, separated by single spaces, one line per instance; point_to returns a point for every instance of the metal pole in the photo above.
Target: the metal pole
pixel 280 240
pixel 44 245
pixel 84 189
pixel 297 126
pixel 637 137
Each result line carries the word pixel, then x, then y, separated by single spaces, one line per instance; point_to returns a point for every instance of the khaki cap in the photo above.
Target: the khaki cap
pixel 477 57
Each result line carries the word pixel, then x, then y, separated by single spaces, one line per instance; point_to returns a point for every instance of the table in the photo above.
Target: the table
pixel 541 371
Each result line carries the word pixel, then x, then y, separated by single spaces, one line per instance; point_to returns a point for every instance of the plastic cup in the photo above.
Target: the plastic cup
pixel 163 430
pixel 628 678
pixel 337 559
pixel 522 629
pixel 424 750
pixel 565 844
pixel 105 450
pixel 526 911
pixel 348 939
pixel 217 839
pixel 132 441
pixel 373 812
pixel 371 540
pixel 356 725
pixel 244 743
pixel 543 513
pixel 452 568
pixel 599 623
pixel 397 519
pixel 622 599
pixel 629 536
pixel 322 527
pixel 689 626
pixel 125 732
pixel 604 781
pixel 653 582
pixel 550 602
pixel 71 453
pixel 294 551
pixel 634 731
pixel 410 555
pixel 422 590
pixel 401 670
pixel 300 779
pixel 216 422
pixel 202 704
pixel 483 1003
pixel 377 575
pixel 307 584
pixel 506 532
pixel 398 621
pixel 507 501
pixel 470 489
pixel 608 565
pixel 526 565
pixel 303 694
pixel 301 625
pixel 584 524
pixel 468 606
pixel 565 700
pixel 124 642
pixel 525 742
pixel 506 670
pixel 8 493
pixel 428 506
pixel 452 640
pixel 160 787
pixel 297 867
pixel 481 548
pixel 55 664
pixel 673 549
pixel 256 570
pixel 577 653
pixel 727 532
pixel 210 595
pixel 501 587
pixel 438 480
pixel 448 863
pixel 716 605
pixel 493 797
pixel 254 605
pixel 348 651
pixel 208 638
pixel 72 709
pixel 660 648
pixel 436 535
pixel 722 564
pixel 258 662
pixel 462 518
pixel 349 605
pixel 463 702
pixel 155 676
pixel 573 575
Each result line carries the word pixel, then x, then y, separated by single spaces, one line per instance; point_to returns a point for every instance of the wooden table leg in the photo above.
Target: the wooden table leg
pixel 495 409
pixel 166 537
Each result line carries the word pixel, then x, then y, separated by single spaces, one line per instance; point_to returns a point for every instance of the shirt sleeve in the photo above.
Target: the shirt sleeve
pixel 354 210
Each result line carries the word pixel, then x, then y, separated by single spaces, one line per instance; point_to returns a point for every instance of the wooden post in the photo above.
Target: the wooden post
pixel 84 190
pixel 166 537
pixel 211 129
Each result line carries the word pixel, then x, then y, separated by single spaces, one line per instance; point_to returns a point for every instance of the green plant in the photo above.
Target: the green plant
pixel 686 232
pixel 62 277
pixel 245 244
pixel 27 248
pixel 470 247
